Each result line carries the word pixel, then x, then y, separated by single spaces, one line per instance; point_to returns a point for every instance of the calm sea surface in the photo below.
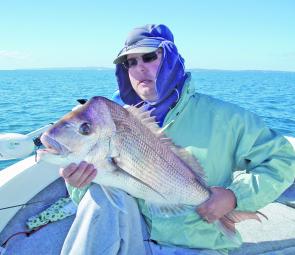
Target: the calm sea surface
pixel 31 99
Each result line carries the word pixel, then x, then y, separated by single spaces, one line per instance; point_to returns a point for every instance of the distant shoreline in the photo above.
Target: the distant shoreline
pixel 59 68
pixel 113 69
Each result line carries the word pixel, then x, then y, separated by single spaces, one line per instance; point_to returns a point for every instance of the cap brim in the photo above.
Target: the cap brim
pixel 141 50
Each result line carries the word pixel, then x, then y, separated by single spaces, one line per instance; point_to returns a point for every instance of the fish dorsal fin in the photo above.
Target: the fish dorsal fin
pixel 149 121
pixel 191 161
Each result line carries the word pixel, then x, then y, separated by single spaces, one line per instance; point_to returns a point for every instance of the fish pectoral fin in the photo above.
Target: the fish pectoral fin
pixel 116 197
pixel 113 150
pixel 169 210
pixel 118 165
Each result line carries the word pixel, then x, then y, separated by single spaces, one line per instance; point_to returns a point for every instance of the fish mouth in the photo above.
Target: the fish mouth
pixel 53 147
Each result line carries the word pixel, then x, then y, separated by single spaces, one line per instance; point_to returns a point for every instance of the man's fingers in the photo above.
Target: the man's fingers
pixel 221 202
pixel 68 171
pixel 206 211
pixel 202 211
pixel 205 207
pixel 89 178
pixel 76 175
pixel 88 171
pixel 210 218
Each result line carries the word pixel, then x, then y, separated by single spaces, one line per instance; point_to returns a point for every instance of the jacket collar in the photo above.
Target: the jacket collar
pixel 188 91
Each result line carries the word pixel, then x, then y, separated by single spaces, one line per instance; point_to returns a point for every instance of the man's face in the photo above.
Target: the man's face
pixel 142 70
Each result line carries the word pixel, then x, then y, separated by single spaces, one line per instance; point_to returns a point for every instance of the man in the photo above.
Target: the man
pixel 223 137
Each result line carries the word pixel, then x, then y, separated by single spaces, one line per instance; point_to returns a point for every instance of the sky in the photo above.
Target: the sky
pixel 212 34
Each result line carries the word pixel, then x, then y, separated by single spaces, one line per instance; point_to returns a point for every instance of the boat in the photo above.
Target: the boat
pixel 27 188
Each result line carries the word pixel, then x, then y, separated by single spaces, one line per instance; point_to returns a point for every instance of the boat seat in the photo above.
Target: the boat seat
pixel 47 240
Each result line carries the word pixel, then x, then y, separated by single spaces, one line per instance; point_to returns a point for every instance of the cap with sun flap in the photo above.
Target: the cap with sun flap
pixel 144 39
pixel 170 75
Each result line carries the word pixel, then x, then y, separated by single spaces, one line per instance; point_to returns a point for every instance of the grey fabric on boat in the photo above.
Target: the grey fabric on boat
pixel 275 236
pixel 47 240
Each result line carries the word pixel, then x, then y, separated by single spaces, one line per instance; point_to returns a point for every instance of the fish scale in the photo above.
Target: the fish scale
pixel 150 160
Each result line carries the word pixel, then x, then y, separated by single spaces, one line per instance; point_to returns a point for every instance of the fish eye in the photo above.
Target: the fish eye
pixel 85 129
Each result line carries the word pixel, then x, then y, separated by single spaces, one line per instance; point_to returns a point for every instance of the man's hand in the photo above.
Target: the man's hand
pixel 221 202
pixel 78 175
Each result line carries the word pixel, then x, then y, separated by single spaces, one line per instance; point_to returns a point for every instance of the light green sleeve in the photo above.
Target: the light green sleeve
pixel 76 194
pixel 268 160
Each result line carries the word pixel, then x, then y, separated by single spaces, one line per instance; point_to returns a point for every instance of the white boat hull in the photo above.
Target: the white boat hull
pixel 21 182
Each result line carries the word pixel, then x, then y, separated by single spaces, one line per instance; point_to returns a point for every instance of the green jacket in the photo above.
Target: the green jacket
pixel 225 138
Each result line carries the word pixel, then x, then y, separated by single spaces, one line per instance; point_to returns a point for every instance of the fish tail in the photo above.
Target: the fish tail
pixel 238 216
pixel 227 223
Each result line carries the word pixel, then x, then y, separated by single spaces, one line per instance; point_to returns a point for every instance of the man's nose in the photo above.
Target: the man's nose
pixel 140 65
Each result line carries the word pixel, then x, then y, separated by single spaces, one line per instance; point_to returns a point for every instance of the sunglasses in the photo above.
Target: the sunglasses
pixel 146 58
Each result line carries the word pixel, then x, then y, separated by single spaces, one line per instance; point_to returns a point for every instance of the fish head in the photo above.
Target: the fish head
pixel 82 134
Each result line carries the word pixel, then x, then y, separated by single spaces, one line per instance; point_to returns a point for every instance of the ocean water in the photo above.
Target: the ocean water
pixel 31 99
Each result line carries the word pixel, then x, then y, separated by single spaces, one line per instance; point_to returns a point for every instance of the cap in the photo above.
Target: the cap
pixel 144 39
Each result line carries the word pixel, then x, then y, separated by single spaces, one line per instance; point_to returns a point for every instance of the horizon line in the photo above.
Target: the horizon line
pixel 113 68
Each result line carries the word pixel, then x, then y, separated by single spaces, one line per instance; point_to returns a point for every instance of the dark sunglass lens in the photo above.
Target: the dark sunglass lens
pixel 149 57
pixel 131 62
pixel 128 63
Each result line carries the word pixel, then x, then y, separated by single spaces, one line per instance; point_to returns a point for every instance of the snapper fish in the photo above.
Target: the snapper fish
pixel 132 153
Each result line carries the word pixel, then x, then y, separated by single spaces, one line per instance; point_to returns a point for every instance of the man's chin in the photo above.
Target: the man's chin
pixel 146 93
